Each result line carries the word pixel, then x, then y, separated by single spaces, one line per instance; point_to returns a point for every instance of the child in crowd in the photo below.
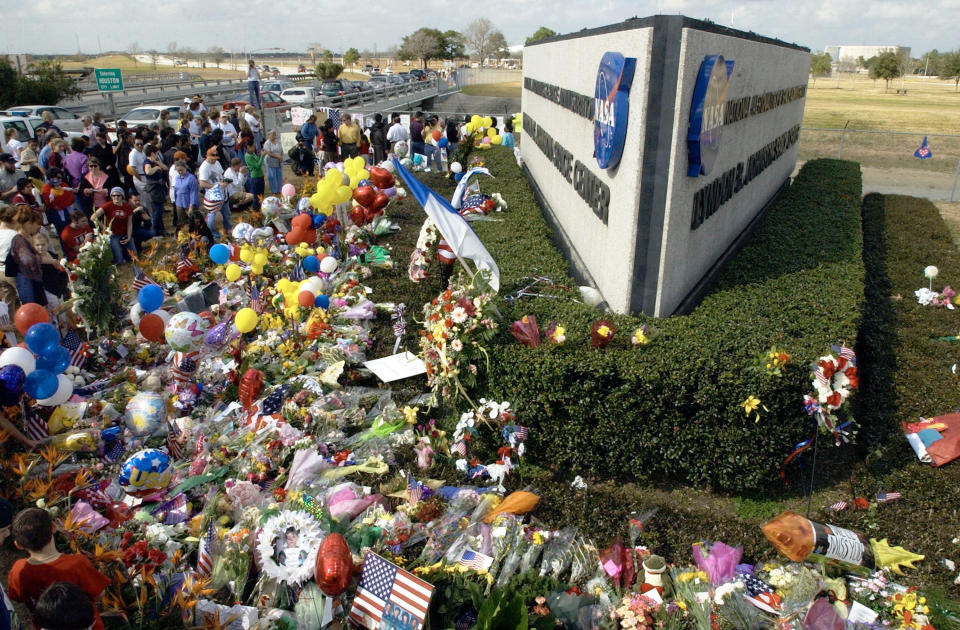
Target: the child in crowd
pixel 55 281
pixel 29 578
pixel 75 235
pixel 64 606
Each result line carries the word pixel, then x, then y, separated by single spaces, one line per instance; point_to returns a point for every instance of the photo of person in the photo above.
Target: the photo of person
pixel 396 618
pixel 289 553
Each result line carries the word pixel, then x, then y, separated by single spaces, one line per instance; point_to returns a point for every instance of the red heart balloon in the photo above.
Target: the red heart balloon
pixel 301 221
pixel 380 201
pixel 369 214
pixel 292 237
pixel 250 387
pixel 334 568
pixel 357 215
pixel 364 195
pixel 381 177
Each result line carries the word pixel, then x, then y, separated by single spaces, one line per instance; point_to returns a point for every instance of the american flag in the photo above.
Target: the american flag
pixel 839 506
pixel 35 426
pixel 94 495
pixel 94 387
pixel 184 365
pixel 399 323
pixel 114 452
pixel 184 264
pixel 845 353
pixel 174 511
pixel 388 592
pixel 460 448
pixel 78 349
pixel 296 274
pixel 205 553
pixel 174 447
pixel 334 116
pixel 255 302
pixel 213 198
pixel 140 279
pixel 414 490
pixel 883 497
pixel 475 560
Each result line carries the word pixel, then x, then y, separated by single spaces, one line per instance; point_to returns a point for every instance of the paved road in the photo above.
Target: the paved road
pixel 905 181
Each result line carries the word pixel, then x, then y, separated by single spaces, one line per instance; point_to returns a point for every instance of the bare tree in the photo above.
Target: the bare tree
pixel 133 50
pixel 172 49
pixel 216 54
pixel 154 57
pixel 314 49
pixel 477 37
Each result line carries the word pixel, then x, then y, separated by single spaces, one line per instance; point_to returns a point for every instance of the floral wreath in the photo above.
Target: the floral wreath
pixel 310 536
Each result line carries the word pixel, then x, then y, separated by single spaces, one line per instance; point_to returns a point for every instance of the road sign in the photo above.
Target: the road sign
pixel 109 79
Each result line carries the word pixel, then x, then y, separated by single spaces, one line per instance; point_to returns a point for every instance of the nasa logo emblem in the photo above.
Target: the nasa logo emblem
pixel 611 108
pixel 706 114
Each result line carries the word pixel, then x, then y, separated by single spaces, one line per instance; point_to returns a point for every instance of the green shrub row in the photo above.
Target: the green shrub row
pixel 672 410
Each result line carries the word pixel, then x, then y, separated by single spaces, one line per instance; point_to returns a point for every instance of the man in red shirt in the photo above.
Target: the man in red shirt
pixel 29 577
pixel 118 212
pixel 75 235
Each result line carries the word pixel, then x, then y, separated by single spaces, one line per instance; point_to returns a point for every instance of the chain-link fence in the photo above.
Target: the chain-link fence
pixel 888 160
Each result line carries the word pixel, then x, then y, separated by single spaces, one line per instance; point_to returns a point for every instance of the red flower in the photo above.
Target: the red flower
pixel 853 377
pixel 156 556
pixel 828 368
pixel 834 399
pixel 126 540
pixel 841 363
pixel 860 504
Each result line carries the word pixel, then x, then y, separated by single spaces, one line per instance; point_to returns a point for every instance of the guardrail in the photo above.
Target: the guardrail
pixel 89 84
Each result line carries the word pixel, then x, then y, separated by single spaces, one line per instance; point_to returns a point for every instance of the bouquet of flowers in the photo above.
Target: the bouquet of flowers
pixel 93 283
pixel 601 333
pixel 526 332
pixel 452 341
pixel 834 379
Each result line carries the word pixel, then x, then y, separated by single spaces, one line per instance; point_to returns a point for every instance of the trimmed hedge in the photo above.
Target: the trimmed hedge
pixel 673 409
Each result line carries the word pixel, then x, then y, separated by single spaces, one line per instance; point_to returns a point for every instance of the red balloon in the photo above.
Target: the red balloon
pixel 436 134
pixel 369 214
pixel 357 215
pixel 364 195
pixel 151 327
pixel 118 513
pixel 380 201
pixel 301 221
pixel 381 177
pixel 334 568
pixel 306 299
pixel 250 387
pixel 28 315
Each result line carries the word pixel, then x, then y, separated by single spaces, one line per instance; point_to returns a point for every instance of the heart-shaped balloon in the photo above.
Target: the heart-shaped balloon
pixel 358 215
pixel 250 387
pixel 380 201
pixel 334 568
pixel 364 195
pixel 381 177
pixel 302 221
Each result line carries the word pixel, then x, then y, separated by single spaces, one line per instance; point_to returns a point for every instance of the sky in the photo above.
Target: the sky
pixel 57 26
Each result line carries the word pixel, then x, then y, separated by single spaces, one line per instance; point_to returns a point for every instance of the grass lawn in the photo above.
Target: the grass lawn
pixel 130 67
pixel 512 89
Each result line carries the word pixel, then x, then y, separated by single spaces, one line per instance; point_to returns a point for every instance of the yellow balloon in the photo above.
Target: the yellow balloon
pixel 491 132
pixel 246 254
pixel 354 181
pixel 469 127
pixel 487 121
pixel 496 139
pixel 260 259
pixel 246 320
pixel 363 173
pixel 332 175
pixel 255 270
pixel 343 194
pixel 283 284
pixel 316 200
pixel 475 120
pixel 233 272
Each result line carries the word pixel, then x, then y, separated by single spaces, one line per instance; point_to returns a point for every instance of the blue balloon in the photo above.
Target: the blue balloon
pixel 319 219
pixel 220 253
pixel 322 301
pixel 12 378
pixel 40 384
pixel 150 298
pixel 364 182
pixel 56 359
pixel 458 176
pixel 442 143
pixel 40 337
pixel 311 264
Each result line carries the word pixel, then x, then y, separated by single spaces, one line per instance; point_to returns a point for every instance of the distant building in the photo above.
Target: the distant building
pixel 852 53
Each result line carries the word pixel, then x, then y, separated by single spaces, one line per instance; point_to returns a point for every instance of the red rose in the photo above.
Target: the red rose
pixel 156 556
pixel 834 399
pixel 828 368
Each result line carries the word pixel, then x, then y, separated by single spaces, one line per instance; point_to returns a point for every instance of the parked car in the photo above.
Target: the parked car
pixel 300 95
pixel 278 86
pixel 389 70
pixel 406 77
pixel 63 118
pixel 26 126
pixel 368 67
pixel 395 80
pixel 269 100
pixel 418 74
pixel 150 114
pixel 301 68
pixel 335 87
pixel 377 82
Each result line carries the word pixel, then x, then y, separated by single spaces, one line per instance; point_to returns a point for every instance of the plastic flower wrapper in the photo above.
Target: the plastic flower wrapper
pixel 535 544
pixel 611 559
pixel 737 612
pixel 86 518
pixel 443 533
pixel 797 586
pixel 690 587
pixel 504 537
pixel 515 551
pixel 232 564
pixel 719 560
pixel 526 332
pixel 558 553
pixel 584 562
pixel 643 335
pixel 601 333
pixel 636 522
pixel 486 505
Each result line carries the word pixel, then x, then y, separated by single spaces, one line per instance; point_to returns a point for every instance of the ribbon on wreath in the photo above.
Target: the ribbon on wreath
pixel 813 408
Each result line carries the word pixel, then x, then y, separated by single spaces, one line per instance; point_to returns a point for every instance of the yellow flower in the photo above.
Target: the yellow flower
pixel 640 338
pixel 750 404
pixel 604 331
pixel 410 414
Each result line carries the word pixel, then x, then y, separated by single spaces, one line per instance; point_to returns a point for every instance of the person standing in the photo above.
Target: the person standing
pixel 88 129
pixel 94 187
pixel 330 140
pixel 349 135
pixel 75 163
pixel 9 175
pixel 273 161
pixel 58 200
pixel 396 133
pixel 252 118
pixel 453 137
pixel 136 158
pixel 416 135
pixel 378 138
pixel 209 175
pixel 186 194
pixel 229 142
pixel 116 214
pixel 155 172
pixel 24 261
pixel 253 84
pixel 8 284
pixel 310 132
pixel 102 150
pixel 12 145
pixel 255 183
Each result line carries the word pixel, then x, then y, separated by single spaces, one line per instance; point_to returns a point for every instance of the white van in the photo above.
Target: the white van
pixel 305 95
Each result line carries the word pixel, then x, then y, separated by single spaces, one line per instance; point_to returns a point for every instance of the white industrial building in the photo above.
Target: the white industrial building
pixel 852 53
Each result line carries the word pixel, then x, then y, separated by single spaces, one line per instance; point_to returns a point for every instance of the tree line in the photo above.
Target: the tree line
pixel 890 65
